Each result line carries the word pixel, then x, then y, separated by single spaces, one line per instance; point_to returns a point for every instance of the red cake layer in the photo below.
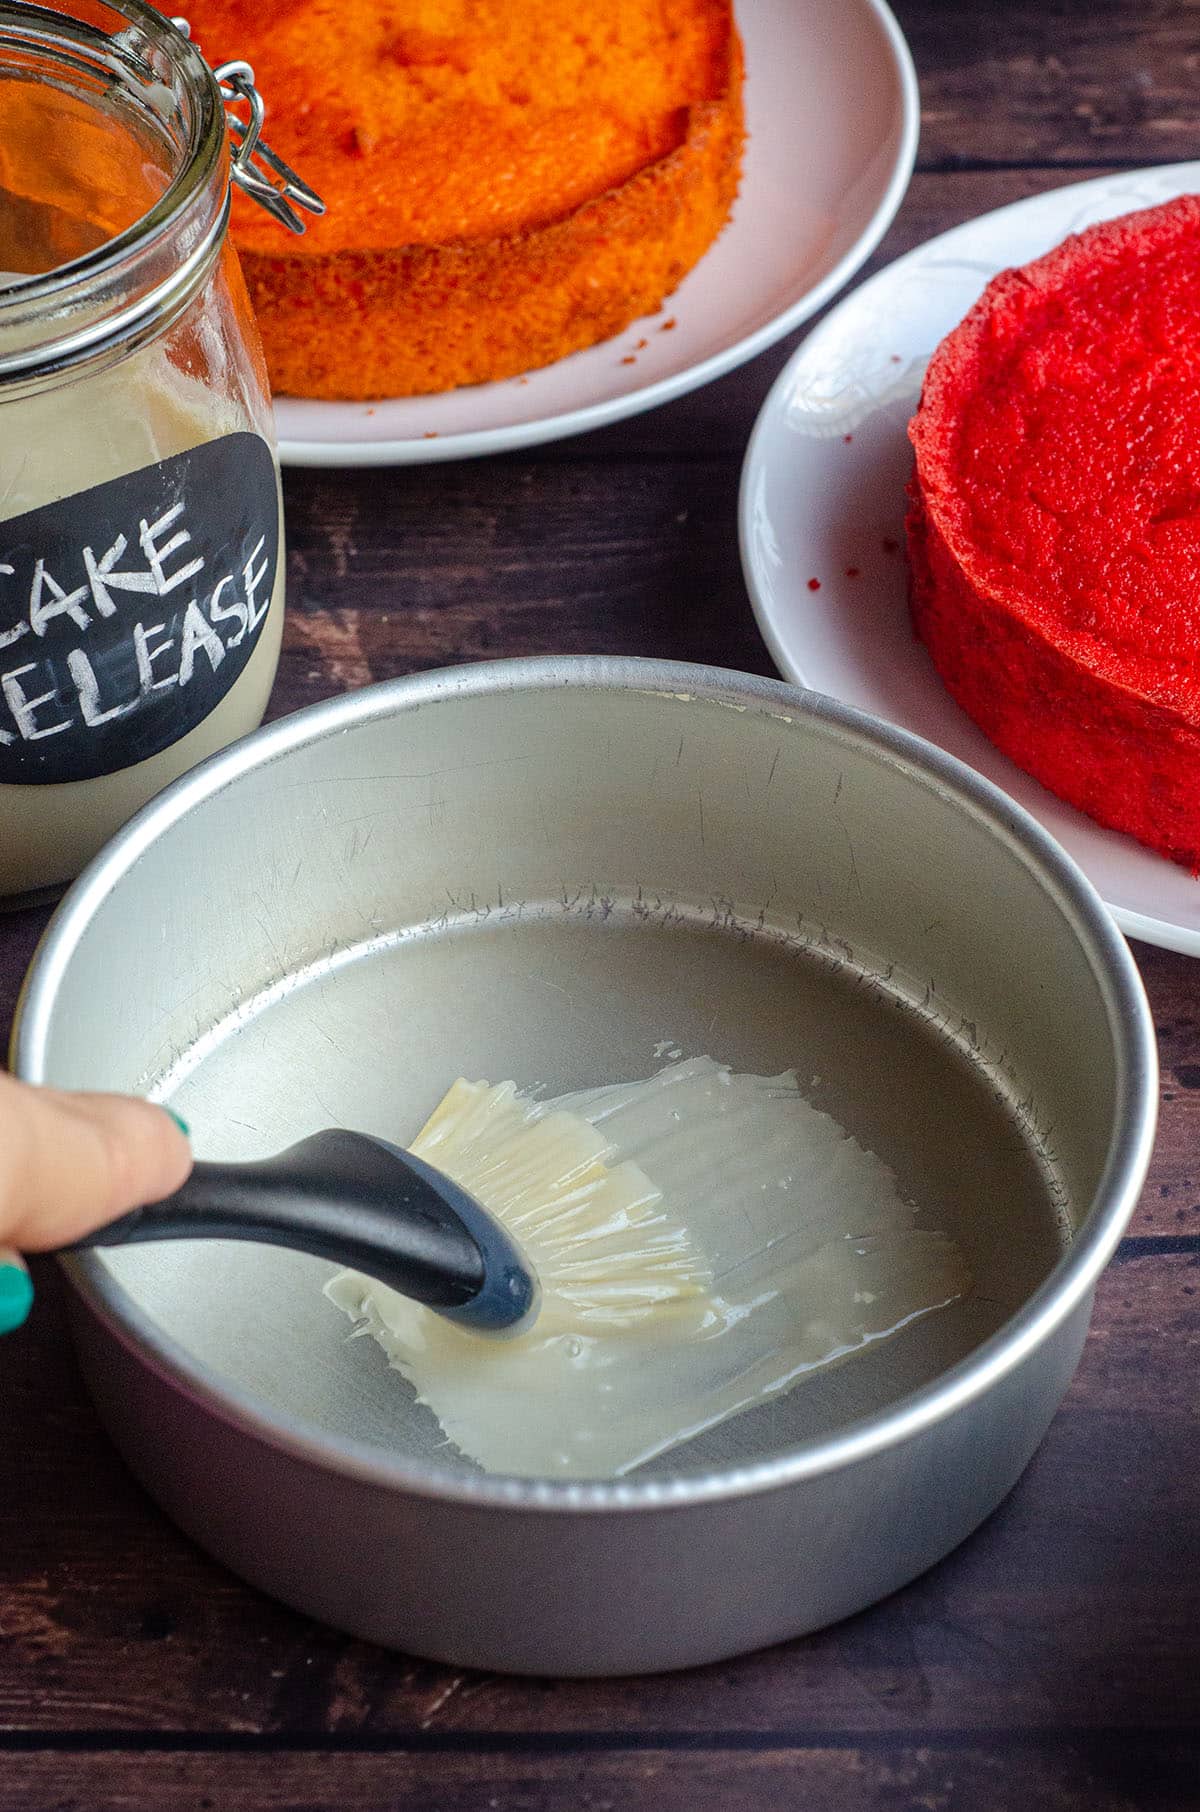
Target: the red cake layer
pixel 1054 534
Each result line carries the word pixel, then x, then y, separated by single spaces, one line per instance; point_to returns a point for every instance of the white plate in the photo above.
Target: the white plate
pixel 832 112
pixel 823 493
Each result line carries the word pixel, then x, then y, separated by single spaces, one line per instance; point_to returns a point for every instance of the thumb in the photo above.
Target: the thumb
pixel 69 1162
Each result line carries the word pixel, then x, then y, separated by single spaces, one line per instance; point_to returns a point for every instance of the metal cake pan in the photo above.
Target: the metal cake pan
pixel 561 870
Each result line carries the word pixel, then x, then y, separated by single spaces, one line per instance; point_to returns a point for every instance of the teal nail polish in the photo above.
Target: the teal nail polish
pixel 180 1122
pixel 16 1296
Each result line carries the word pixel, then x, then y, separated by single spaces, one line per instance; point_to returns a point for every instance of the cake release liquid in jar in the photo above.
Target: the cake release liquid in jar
pixel 141 533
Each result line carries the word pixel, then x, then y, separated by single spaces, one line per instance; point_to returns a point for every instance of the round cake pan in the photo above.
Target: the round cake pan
pixel 567 872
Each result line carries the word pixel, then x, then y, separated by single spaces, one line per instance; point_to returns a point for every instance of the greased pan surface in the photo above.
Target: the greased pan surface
pixel 565 871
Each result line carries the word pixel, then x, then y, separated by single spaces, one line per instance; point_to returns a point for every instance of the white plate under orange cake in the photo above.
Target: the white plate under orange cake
pixel 505 183
pixel 829 92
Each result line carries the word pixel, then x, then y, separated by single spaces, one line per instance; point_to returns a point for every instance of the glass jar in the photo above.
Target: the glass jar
pixel 141 534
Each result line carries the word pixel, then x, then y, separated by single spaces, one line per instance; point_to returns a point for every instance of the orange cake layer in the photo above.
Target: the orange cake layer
pixel 506 183
pixel 1054 533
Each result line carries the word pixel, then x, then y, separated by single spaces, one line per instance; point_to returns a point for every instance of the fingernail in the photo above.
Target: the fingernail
pixel 16 1291
pixel 180 1122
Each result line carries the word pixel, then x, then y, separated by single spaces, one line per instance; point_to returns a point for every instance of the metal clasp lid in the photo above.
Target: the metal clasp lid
pixel 257 170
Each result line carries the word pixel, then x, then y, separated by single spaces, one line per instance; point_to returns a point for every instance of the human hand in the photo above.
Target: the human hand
pixel 70 1162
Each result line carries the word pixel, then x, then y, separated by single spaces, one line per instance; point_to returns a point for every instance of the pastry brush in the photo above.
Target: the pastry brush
pixel 361 1202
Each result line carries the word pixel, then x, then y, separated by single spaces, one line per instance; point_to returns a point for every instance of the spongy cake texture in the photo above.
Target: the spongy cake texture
pixel 505 183
pixel 1054 528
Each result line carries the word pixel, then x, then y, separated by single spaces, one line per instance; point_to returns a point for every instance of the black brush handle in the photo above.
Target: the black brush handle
pixel 340 1195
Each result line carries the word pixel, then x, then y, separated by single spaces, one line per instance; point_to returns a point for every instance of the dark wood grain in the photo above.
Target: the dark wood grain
pixel 1059 83
pixel 1066 1773
pixel 621 542
pixel 1054 1660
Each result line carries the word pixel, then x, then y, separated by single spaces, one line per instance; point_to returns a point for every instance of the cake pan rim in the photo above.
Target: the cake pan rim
pixel 1058 1295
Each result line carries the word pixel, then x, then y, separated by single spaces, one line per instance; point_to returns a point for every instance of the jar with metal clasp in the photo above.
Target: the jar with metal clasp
pixel 141 534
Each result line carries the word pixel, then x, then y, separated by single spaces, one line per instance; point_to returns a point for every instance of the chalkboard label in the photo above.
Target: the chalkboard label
pixel 129 610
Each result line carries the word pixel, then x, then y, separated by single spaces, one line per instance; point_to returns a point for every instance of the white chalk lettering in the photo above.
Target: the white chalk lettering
pixel 235 612
pixel 254 577
pixel 9 636
pixel 23 707
pixel 62 603
pixel 103 579
pixel 146 657
pixel 86 685
pixel 157 557
pixel 197 634
pixel 127 599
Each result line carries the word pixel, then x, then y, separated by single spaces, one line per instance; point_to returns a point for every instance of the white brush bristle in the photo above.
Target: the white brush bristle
pixel 599 1240
pixel 702 1240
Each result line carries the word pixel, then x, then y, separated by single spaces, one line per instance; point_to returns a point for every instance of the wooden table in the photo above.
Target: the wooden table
pixel 1054 1661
